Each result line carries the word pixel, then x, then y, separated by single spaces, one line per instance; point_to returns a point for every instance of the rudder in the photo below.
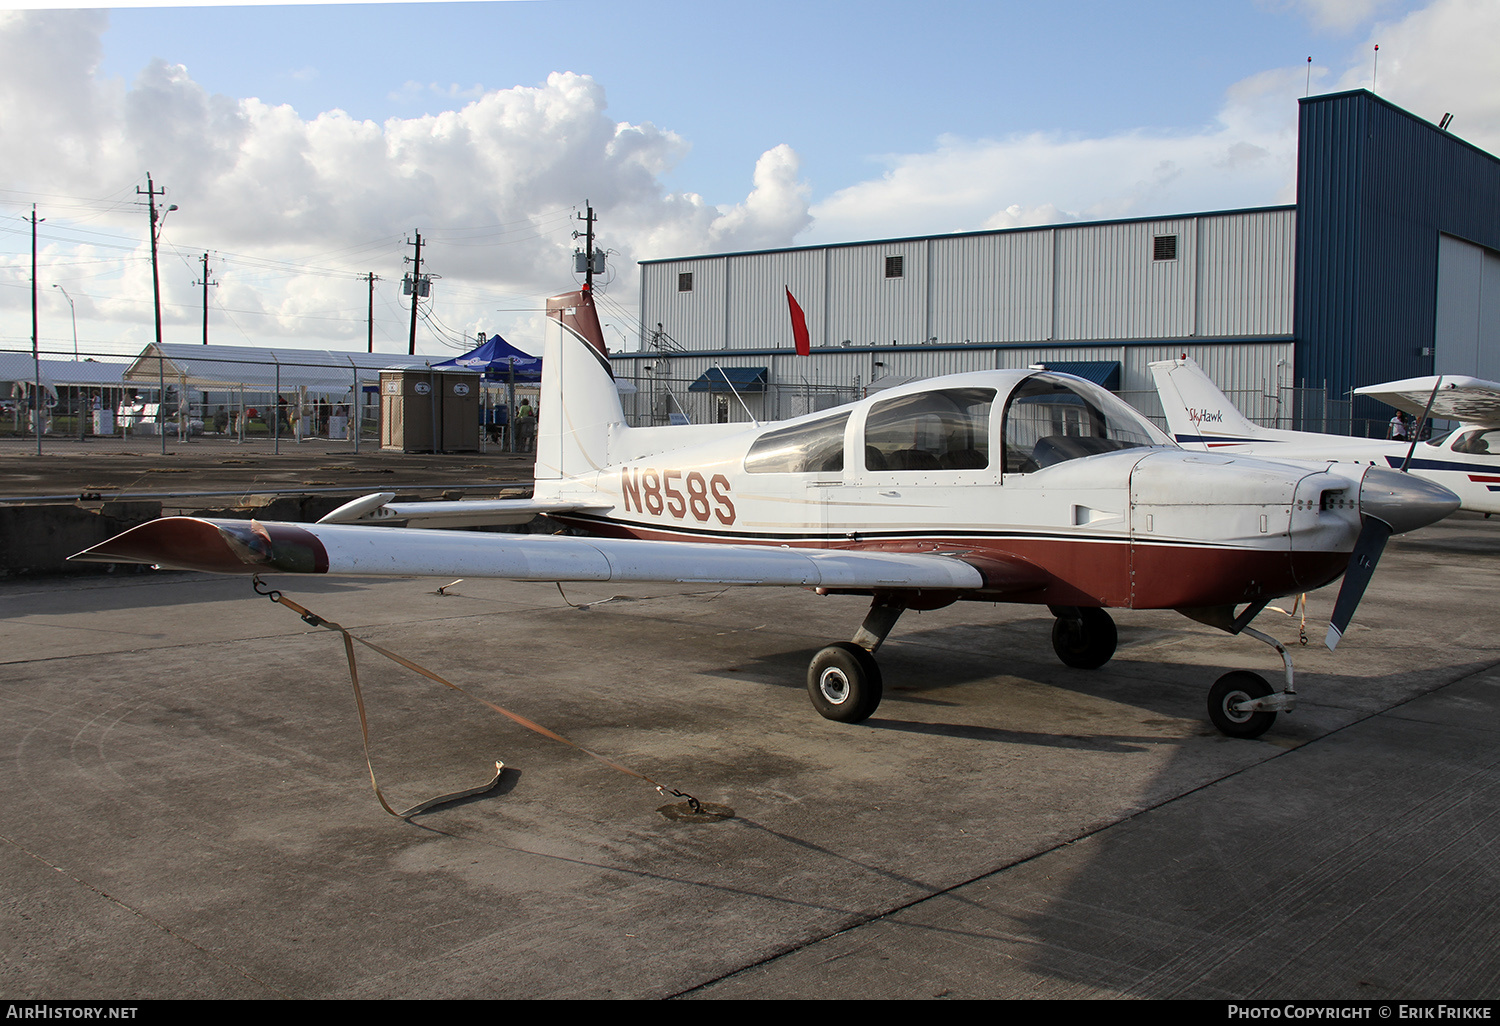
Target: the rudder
pixel 580 405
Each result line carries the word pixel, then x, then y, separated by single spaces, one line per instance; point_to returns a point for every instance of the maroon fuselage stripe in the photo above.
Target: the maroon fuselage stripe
pixel 1114 573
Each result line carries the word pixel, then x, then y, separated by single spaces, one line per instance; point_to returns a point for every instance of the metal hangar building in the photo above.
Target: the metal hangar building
pixel 1387 266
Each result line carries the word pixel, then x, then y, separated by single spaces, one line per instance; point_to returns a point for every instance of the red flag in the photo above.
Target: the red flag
pixel 799 325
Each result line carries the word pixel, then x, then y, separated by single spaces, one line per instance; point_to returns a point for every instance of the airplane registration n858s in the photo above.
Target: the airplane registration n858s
pixel 1009 486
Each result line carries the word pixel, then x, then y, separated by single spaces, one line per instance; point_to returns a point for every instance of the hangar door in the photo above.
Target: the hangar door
pixel 1467 335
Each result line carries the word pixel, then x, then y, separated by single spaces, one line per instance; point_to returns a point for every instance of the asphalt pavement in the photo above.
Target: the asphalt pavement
pixel 189 814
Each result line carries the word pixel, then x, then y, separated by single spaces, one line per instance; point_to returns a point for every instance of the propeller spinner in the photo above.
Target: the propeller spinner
pixel 1390 502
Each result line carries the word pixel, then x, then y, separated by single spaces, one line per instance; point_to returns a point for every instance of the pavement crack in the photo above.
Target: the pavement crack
pixel 146 917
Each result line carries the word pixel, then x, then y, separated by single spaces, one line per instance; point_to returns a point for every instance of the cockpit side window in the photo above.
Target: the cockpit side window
pixel 817 447
pixel 946 429
pixel 1049 420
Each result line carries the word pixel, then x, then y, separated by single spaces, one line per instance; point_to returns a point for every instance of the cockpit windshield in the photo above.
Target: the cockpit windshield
pixel 1050 419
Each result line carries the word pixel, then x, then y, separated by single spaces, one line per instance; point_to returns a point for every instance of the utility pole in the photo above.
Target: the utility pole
pixel 151 193
pixel 370 277
pixel 588 253
pixel 205 283
pixel 414 285
pixel 36 356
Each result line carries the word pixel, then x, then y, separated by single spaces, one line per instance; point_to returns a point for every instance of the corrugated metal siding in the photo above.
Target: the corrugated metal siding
pixel 1250 371
pixel 1062 283
pixel 756 313
pixel 695 319
pixel 1108 285
pixel 1246 274
pixel 992 288
pixel 1376 186
pixel 866 307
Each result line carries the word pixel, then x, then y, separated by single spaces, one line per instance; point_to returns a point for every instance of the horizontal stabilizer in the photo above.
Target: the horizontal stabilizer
pixel 377 509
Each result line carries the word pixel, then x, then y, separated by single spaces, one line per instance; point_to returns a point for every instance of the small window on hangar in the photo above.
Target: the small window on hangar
pixel 685 281
pixel 1164 247
pixel 895 266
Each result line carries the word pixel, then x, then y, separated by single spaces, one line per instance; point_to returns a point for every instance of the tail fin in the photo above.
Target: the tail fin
pixel 579 402
pixel 1197 412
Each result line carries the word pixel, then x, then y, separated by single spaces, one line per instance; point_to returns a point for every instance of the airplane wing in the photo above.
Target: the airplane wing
pixel 1468 400
pixel 249 546
pixel 378 509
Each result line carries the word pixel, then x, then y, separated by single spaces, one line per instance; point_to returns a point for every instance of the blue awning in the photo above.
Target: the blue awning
pixel 719 379
pixel 1100 372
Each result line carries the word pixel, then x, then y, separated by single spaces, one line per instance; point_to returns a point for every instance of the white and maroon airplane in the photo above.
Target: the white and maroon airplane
pixel 1012 486
pixel 1465 461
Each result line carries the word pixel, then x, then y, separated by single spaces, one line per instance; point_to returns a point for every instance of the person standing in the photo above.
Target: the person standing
pixel 1399 432
pixel 525 426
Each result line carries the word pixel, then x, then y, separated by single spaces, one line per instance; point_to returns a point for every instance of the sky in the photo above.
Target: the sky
pixel 304 146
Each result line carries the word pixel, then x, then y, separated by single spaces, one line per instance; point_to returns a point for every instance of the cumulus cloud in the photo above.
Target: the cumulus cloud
pixel 1433 60
pixel 491 183
pixel 1436 60
pixel 1339 16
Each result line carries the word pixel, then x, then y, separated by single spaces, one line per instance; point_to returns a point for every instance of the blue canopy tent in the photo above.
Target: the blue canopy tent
pixel 496 359
pixel 499 361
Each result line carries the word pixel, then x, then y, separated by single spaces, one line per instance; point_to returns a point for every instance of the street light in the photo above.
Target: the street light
pixel 156 222
pixel 77 398
pixel 74 310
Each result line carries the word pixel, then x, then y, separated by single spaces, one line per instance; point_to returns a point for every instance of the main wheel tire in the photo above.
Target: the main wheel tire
pixel 843 681
pixel 1085 643
pixel 1232 688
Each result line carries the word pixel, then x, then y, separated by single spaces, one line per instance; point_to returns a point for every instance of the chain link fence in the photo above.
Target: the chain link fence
pixel 651 400
pixel 93 399
pixel 97 398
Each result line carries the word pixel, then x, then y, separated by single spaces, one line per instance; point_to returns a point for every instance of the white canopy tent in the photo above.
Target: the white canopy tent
pixel 270 372
pixel 255 369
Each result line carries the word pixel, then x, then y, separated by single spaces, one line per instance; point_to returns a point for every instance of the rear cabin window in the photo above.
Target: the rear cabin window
pixel 817 447
pixel 1049 421
pixel 947 429
pixel 1478 443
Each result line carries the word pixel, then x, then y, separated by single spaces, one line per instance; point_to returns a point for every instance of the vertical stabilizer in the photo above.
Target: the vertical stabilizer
pixel 579 402
pixel 1197 413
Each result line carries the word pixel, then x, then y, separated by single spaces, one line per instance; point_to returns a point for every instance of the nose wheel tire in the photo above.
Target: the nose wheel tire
pixel 843 681
pixel 1084 642
pixel 1232 689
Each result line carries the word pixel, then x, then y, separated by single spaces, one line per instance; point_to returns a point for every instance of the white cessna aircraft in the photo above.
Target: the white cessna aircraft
pixel 1465 461
pixel 1013 486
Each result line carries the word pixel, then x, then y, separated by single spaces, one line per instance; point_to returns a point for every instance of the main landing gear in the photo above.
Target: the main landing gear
pixel 1083 637
pixel 843 680
pixel 844 683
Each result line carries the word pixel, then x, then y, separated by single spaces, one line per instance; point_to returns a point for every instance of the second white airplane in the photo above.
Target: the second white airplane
pixel 1465 461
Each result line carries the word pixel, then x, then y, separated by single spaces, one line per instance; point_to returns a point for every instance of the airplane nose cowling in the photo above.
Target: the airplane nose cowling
pixel 1403 502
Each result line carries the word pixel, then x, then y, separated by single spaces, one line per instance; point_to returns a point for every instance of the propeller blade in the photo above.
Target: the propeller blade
pixel 1367 550
pixel 1390 503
